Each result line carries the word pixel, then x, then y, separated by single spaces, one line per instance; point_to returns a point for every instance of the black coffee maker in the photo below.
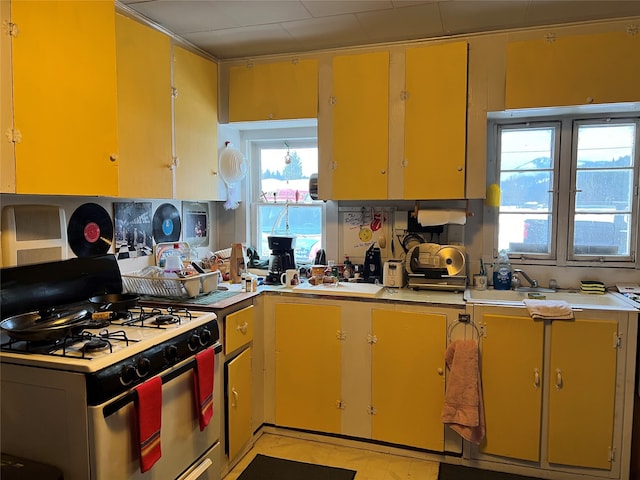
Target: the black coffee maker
pixel 281 258
pixel 372 265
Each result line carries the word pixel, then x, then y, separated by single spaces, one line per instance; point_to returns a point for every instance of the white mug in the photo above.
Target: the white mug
pixel 290 278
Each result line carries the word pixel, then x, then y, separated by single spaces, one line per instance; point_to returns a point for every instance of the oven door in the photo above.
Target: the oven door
pixel 186 451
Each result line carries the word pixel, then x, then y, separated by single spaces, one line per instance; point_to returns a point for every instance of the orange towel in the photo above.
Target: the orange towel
pixel 203 386
pixel 149 417
pixel 463 410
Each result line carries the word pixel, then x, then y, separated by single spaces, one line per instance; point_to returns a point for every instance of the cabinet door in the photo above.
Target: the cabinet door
pixel 274 91
pixel 64 86
pixel 308 367
pixel 582 392
pixel 512 355
pixel 407 378
pixel 239 403
pixel 7 149
pixel 435 121
pixel 196 126
pixel 573 70
pixel 144 110
pixel 360 126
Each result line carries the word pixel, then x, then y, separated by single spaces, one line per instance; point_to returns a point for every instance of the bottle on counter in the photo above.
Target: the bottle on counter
pixel 502 273
pixel 348 268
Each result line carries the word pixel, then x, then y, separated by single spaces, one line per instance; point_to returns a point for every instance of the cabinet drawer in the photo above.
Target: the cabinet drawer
pixel 238 329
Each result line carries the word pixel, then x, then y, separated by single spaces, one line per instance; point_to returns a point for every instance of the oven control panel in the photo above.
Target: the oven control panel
pixel 121 376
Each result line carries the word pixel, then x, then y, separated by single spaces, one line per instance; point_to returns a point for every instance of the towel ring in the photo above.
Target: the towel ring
pixel 466 322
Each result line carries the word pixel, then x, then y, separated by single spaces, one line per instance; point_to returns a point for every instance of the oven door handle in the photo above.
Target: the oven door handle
pixel 113 407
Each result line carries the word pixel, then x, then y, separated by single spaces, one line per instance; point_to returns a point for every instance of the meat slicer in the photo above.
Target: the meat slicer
pixel 431 266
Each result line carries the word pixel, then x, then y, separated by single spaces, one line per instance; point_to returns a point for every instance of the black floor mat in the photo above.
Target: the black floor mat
pixel 263 467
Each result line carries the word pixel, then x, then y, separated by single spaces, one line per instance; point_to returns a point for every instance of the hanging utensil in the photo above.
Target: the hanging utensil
pixel 382 240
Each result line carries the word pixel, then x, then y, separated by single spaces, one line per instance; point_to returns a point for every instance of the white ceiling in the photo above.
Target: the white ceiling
pixel 243 28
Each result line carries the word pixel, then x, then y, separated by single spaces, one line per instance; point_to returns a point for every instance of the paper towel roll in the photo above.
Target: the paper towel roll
pixel 428 218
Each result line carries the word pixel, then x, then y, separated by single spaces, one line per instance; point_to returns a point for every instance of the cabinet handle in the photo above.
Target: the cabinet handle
pixel 383 171
pixel 440 371
pixel 558 379
pixel 536 378
pixel 243 328
pixel 234 392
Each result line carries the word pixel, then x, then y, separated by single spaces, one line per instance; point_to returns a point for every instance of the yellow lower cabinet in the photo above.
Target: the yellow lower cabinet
pixel 239 428
pixel 308 367
pixel 582 387
pixel 407 378
pixel 549 389
pixel 512 356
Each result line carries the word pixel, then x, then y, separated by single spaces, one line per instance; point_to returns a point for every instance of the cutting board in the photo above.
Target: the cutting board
pixel 368 290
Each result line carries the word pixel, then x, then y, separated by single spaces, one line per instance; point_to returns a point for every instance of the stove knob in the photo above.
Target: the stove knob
pixel 144 367
pixel 171 353
pixel 194 342
pixel 205 337
pixel 128 374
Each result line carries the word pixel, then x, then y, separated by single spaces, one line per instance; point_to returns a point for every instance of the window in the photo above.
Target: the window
pixel 282 202
pixel 568 189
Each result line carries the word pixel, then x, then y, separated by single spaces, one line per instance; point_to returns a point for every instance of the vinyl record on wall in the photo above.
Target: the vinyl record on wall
pixel 166 224
pixel 90 230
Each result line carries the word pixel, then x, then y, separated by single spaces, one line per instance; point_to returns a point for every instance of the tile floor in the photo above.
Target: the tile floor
pixel 369 465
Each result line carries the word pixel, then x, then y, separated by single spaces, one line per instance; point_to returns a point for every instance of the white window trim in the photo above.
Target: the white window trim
pixel 253 147
pixel 559 254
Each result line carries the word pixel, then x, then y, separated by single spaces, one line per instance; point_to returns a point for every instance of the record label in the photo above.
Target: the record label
pixel 166 224
pixel 90 230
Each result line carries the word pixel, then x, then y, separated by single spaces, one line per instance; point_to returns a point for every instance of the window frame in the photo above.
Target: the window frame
pixel 564 184
pixel 254 147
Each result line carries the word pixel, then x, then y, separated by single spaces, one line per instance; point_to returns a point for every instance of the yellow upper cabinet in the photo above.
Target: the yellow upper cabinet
pixel 397 123
pixel 360 133
pixel 7 149
pixel 65 106
pixel 144 110
pixel 573 70
pixel 273 91
pixel 435 132
pixel 195 80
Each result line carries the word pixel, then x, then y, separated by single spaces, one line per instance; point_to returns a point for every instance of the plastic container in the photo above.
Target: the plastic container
pixel 502 274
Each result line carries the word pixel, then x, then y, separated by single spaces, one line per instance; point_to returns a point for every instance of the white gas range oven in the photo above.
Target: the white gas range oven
pixel 70 400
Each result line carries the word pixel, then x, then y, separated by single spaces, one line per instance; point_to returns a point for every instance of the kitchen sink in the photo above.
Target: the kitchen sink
pixel 573 298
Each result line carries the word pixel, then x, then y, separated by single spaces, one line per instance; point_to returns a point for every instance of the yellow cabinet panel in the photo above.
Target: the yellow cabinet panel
pixel 582 388
pixel 65 102
pixel 238 329
pixel 512 355
pixel 195 79
pixel 573 70
pixel 144 110
pixel 239 403
pixel 407 380
pixel 274 91
pixel 360 126
pixel 308 367
pixel 7 149
pixel 435 121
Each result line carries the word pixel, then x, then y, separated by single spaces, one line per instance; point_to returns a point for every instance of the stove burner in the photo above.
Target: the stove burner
pixel 95 344
pixel 165 319
pixel 97 324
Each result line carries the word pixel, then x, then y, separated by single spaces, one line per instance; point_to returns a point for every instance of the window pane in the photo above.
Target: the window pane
pixel 285 174
pixel 526 182
pixel 304 222
pixel 604 189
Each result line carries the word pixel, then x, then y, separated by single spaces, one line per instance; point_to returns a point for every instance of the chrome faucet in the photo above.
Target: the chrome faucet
pixel 533 283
